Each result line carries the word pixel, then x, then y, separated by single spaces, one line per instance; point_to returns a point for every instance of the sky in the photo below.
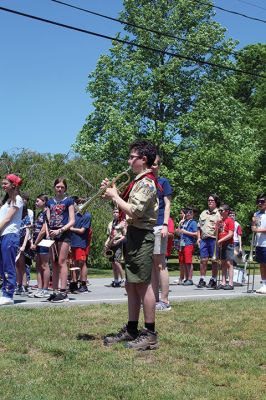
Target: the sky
pixel 44 69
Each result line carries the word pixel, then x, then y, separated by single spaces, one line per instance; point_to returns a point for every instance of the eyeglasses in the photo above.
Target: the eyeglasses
pixel 132 156
pixel 262 201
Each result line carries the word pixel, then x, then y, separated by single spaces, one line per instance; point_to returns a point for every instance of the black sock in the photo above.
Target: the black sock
pixel 150 326
pixel 83 283
pixel 62 290
pixel 132 327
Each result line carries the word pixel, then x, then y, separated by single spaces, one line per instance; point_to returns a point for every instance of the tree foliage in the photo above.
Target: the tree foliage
pixel 207 122
pixel 39 172
pixel 142 93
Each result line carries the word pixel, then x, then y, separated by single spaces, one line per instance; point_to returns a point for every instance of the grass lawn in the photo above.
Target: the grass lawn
pixel 208 350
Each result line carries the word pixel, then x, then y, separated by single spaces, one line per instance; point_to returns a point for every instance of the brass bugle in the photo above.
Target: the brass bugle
pixel 82 209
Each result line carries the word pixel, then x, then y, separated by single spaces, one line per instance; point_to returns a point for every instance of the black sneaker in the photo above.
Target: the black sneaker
pixel 83 289
pixel 51 297
pixel 60 297
pixel 122 336
pixel 73 287
pixel 212 284
pixel 116 284
pixel 201 283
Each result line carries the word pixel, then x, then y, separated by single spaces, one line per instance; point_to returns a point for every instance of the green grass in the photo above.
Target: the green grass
pixel 208 350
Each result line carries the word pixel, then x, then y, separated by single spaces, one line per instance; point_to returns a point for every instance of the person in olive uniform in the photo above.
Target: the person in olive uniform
pixel 140 204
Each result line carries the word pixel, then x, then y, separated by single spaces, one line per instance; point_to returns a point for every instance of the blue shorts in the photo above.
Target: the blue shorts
pixel 42 250
pixel 207 247
pixel 227 252
pixel 261 255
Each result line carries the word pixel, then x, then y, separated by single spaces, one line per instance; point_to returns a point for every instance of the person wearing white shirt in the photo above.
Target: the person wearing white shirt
pixel 10 220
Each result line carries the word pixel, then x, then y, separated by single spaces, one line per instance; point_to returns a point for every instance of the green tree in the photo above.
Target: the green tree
pixel 140 93
pixel 251 91
pixel 39 172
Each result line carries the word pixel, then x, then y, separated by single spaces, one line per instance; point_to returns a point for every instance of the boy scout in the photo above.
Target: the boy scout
pixel 206 240
pixel 139 203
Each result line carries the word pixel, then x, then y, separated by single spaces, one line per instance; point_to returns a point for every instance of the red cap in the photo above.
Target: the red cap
pixel 16 180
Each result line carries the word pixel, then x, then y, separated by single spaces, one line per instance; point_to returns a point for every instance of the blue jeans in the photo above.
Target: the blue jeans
pixel 9 245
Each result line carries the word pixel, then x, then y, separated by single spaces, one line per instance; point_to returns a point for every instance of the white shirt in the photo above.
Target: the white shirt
pixel 260 223
pixel 14 225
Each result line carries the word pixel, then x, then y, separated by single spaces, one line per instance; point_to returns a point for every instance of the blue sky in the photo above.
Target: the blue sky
pixel 44 69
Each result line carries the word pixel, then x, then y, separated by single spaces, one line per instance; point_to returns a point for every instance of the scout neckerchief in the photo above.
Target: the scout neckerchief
pixel 126 193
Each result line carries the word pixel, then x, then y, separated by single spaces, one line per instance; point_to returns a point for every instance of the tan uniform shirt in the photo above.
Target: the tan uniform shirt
pixel 207 223
pixel 116 233
pixel 144 203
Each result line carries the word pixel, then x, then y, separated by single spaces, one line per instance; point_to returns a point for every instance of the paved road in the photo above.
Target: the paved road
pixel 101 292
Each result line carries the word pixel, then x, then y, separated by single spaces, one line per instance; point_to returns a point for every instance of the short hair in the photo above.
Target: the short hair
pixel 63 180
pixel 261 196
pixel 226 207
pixel 188 210
pixel 216 198
pixel 145 148
pixel 43 197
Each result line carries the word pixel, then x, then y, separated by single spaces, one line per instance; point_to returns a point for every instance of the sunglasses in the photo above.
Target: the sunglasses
pixel 261 201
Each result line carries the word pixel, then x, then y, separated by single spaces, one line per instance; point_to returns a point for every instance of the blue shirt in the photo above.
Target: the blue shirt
pixel 40 220
pixel 166 191
pixel 190 226
pixel 81 240
pixel 24 222
pixel 59 212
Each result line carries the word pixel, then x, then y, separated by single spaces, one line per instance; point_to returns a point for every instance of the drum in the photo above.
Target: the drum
pixel 239 278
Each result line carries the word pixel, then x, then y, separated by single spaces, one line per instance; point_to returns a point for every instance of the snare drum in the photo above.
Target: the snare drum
pixel 239 278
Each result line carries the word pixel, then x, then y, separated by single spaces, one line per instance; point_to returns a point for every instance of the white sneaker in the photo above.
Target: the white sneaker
pixel 38 293
pixel 5 301
pixel 261 290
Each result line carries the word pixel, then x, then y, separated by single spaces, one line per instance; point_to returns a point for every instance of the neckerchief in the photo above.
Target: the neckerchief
pixel 126 193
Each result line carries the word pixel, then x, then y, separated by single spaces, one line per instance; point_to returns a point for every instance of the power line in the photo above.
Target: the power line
pixel 168 53
pixel 251 4
pixel 143 27
pixel 230 11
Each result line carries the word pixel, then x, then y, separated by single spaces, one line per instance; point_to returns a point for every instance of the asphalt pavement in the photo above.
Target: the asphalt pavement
pixel 100 291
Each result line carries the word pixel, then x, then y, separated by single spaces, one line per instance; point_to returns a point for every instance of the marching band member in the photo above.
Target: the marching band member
pixel 188 234
pixel 206 240
pixel 139 203
pixel 60 216
pixel 79 244
pixel 42 252
pixel 116 232
pixel 160 275
pixel 259 228
pixel 10 220
pixel 181 278
pixel 226 244
pixel 25 244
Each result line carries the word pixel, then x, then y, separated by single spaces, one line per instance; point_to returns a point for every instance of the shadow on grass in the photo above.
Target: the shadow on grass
pixel 86 336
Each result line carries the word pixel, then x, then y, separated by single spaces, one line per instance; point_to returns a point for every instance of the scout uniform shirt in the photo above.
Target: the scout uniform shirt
pixel 144 203
pixel 116 230
pixel 207 223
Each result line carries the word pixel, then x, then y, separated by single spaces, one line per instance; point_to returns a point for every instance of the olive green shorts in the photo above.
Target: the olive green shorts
pixel 138 255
